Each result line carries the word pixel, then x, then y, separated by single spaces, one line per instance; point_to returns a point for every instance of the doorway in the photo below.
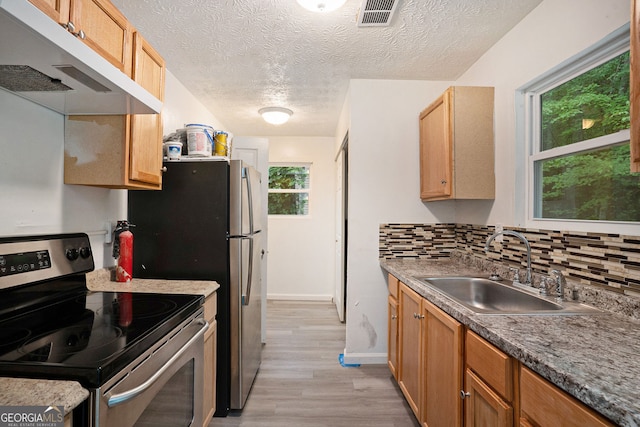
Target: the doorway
pixel 342 226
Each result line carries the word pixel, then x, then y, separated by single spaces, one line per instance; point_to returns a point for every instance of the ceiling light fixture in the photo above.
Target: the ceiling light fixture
pixel 322 6
pixel 275 115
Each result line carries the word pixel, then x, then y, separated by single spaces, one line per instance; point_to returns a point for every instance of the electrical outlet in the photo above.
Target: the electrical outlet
pixel 499 229
pixel 108 238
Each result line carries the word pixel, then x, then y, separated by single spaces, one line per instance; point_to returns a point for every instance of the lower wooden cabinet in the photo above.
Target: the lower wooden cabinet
pixel 453 377
pixel 488 384
pixel 392 323
pixel 544 405
pixel 392 354
pixel 443 361
pixel 483 406
pixel 210 363
pixel 430 363
pixel 410 348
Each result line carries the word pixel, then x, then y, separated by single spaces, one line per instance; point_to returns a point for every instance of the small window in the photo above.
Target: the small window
pixel 579 161
pixel 289 189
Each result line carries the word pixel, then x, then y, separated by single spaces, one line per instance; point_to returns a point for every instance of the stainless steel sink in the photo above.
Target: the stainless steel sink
pixel 486 296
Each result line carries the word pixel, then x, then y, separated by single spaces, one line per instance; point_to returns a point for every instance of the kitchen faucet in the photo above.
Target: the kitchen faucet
pixel 560 283
pixel 523 239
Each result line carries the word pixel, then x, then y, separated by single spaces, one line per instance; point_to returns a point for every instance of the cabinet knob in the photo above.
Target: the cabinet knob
pixel 163 169
pixel 394 317
pixel 464 394
pixel 70 26
pixel 443 182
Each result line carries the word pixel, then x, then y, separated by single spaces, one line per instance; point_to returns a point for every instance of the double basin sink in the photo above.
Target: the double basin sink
pixel 484 296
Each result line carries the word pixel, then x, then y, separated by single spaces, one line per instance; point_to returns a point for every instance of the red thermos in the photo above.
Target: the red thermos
pixel 123 251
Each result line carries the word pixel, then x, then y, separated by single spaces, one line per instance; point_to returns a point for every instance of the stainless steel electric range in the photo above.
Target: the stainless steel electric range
pixel 139 355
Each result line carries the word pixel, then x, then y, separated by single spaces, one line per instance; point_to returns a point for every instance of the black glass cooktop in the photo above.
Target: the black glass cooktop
pixel 59 330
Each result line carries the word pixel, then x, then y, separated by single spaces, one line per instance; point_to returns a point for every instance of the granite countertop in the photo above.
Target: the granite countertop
pixel 30 392
pixel 100 280
pixel 19 391
pixel 595 358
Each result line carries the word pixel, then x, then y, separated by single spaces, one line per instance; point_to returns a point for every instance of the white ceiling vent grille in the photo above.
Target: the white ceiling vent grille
pixel 376 13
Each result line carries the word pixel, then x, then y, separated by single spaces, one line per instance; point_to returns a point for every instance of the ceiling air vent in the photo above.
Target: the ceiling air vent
pixel 376 13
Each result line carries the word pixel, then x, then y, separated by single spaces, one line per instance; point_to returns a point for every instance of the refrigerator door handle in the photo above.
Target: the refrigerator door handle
pixel 247 296
pixel 246 173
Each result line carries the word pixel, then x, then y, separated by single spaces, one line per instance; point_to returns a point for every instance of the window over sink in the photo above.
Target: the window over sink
pixel 576 123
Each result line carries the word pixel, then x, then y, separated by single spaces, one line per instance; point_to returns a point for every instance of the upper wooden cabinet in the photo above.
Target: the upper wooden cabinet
pixel 634 85
pixel 145 147
pixel 122 151
pixel 58 10
pixel 98 24
pixel 456 145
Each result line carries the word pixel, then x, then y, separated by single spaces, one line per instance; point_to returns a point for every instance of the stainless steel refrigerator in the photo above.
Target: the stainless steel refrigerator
pixel 205 225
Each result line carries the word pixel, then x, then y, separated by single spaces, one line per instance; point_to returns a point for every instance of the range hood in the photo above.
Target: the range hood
pixel 42 62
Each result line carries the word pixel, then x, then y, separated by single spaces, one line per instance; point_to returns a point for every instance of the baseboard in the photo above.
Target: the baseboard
pixel 295 297
pixel 365 358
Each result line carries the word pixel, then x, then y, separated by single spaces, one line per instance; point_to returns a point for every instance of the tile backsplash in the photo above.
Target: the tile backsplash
pixel 608 260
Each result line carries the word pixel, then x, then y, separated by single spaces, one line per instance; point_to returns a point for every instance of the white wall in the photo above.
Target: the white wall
pixel 182 107
pixel 383 187
pixel 34 198
pixel 301 261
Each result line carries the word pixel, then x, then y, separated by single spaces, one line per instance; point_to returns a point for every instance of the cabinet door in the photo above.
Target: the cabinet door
pixel 106 30
pixel 410 333
pixel 435 149
pixel 58 10
pixel 443 358
pixel 209 391
pixel 483 407
pixel 392 355
pixel 145 148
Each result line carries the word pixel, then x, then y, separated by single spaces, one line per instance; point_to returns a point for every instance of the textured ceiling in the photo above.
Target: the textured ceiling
pixel 238 56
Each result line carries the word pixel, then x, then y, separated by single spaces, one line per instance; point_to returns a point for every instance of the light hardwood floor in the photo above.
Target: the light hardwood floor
pixel 302 384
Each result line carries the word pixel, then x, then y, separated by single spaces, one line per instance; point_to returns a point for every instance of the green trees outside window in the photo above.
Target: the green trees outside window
pixel 289 190
pixel 594 183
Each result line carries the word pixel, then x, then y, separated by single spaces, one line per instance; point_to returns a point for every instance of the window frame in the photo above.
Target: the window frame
pixel 308 165
pixel 528 129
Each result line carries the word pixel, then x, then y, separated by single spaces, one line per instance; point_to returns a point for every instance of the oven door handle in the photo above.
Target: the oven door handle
pixel 120 398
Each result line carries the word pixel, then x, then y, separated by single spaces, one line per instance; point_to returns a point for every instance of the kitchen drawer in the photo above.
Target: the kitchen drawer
pixel 543 404
pixel 491 364
pixel 210 307
pixel 393 286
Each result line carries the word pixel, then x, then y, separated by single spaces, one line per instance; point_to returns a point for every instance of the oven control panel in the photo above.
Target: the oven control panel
pixel 25 259
pixel 24 262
